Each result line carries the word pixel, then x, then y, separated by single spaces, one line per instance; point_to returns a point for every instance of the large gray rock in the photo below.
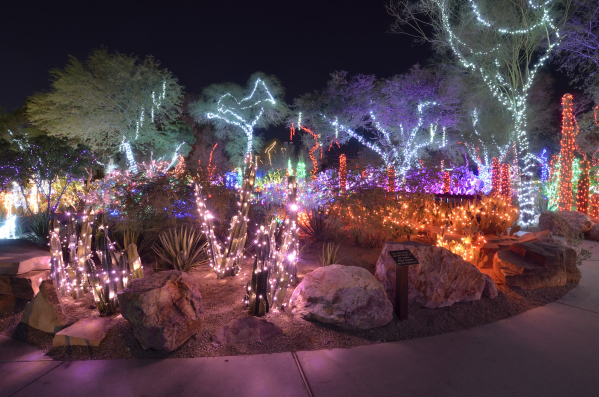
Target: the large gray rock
pixel 561 223
pixel 346 296
pixel 247 329
pixel 164 309
pixel 440 279
pixel 536 264
pixel 23 286
pixel 45 311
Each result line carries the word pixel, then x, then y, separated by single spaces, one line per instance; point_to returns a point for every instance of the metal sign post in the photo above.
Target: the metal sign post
pixel 403 259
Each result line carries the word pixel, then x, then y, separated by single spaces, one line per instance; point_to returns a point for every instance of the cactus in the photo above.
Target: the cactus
pixel 134 262
pixel 226 261
pixel 257 289
pixel 275 262
pixel 57 268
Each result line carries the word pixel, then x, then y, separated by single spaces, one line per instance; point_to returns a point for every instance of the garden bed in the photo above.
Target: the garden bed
pixel 222 300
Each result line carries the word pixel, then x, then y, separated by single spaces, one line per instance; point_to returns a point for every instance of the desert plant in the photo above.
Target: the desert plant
pixel 38 229
pixel 314 225
pixel 180 249
pixel 329 254
pixel 227 260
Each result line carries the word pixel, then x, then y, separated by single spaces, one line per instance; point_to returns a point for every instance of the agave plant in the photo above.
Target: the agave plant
pixel 181 249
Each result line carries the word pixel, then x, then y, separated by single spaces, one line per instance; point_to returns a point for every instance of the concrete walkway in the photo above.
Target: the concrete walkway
pixel 548 351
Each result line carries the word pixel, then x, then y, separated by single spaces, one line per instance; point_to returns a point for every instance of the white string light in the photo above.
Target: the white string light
pixel 228 114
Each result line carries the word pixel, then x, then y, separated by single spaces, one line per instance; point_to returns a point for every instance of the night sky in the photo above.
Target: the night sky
pixel 301 42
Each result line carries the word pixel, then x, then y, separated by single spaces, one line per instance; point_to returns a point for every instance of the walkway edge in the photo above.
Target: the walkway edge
pixel 301 371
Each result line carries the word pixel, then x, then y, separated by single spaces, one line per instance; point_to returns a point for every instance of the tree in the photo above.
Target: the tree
pixel 112 103
pixel 394 117
pixel 236 111
pixel 505 42
pixel 30 156
pixel 578 52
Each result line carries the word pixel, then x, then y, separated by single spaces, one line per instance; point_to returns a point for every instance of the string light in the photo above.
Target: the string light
pixel 513 98
pixel 568 146
pixel 230 116
pixel 506 187
pixel 582 193
pixel 342 173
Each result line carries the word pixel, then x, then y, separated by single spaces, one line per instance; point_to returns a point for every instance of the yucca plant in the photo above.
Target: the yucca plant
pixel 181 249
pixel 38 228
pixel 329 254
pixel 314 225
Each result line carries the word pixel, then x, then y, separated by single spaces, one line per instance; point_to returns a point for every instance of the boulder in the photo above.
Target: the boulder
pixel 536 264
pixel 23 286
pixel 20 256
pixel 532 236
pixel 440 279
pixel 164 309
pixel 45 311
pixel 346 296
pixel 593 234
pixel 561 223
pixel 490 291
pixel 89 331
pixel 247 329
pixel 7 305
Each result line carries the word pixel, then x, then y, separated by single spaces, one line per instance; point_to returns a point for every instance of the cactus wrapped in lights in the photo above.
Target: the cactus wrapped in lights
pixel 446 182
pixel 595 205
pixel 275 261
pixel 582 194
pixel 58 271
pixel 496 176
pixel 506 187
pixel 226 261
pixel 391 178
pixel 342 173
pixel 568 146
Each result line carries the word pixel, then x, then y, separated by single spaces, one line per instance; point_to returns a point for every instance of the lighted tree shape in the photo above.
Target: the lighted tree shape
pixel 233 108
pixel 505 42
pixel 393 117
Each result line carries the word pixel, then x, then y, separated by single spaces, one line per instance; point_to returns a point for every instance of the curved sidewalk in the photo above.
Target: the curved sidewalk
pixel 549 351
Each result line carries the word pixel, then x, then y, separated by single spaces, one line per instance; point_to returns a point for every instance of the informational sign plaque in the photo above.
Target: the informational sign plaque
pixel 403 259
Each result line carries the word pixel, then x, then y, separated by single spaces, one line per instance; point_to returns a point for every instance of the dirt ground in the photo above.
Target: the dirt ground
pixel 222 301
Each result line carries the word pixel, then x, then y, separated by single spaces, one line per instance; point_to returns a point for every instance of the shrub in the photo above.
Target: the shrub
pixel 180 249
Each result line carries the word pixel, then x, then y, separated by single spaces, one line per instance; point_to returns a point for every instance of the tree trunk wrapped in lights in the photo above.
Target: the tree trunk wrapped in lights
pixel 226 261
pixel 568 145
pixel 506 187
pixel 582 195
pixel 57 268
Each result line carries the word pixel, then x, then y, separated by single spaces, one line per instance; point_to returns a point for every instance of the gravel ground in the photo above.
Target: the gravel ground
pixel 222 303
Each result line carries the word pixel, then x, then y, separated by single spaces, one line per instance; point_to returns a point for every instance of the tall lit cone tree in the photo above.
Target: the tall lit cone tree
pixel 568 146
